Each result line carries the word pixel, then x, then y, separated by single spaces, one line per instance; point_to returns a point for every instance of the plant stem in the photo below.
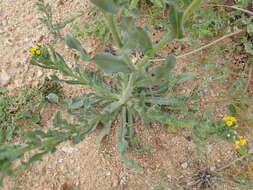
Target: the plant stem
pixel 96 87
pixel 190 9
pixel 112 26
pixel 128 91
pixel 134 4
pixel 116 38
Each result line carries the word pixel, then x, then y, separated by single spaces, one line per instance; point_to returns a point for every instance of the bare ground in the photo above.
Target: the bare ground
pixel 87 166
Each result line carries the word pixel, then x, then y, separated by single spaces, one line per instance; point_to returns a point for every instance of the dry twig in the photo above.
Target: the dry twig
pixel 232 7
pixel 204 47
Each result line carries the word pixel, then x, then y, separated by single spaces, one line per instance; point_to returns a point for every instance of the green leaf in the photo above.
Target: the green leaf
pixel 136 37
pixel 142 38
pixel 176 20
pixel 106 5
pixel 65 22
pixel 232 110
pixel 37 157
pixel 110 63
pixel 75 44
pixel 54 77
pixel 35 118
pixel 53 98
pixel 106 129
pixel 75 103
pixel 185 77
pixel 122 143
pixel 193 6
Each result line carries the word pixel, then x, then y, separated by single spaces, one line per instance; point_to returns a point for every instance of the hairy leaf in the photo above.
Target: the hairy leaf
pixel 106 5
pixel 122 143
pixel 136 37
pixel 53 98
pixel 176 20
pixel 110 63
pixel 75 44
pixel 185 77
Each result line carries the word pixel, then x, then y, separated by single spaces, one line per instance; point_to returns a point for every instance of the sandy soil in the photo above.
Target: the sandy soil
pixel 87 166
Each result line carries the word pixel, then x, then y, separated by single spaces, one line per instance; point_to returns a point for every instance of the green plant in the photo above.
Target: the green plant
pixel 53 27
pixel 15 111
pixel 97 28
pixel 136 90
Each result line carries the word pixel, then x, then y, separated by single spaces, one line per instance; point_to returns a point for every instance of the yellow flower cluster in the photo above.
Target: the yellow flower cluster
pixel 240 142
pixel 35 50
pixel 230 121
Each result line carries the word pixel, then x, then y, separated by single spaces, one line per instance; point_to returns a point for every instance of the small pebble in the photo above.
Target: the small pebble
pixel 115 182
pixel 184 165
pixel 68 149
pixel 4 78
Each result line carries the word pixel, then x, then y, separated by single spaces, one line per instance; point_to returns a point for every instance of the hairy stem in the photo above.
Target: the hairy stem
pixel 134 4
pixel 112 26
pixel 128 91
pixel 190 9
pixel 116 38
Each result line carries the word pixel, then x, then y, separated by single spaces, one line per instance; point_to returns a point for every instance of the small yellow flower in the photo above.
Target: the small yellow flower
pixel 226 118
pixel 35 50
pixel 239 143
pixel 38 52
pixel 243 142
pixel 233 119
pixel 229 118
pixel 32 50
pixel 229 123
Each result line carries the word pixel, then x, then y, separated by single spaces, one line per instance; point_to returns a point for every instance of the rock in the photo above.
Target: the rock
pixel 169 177
pixel 39 73
pixel 19 83
pixel 115 182
pixel 4 22
pixel 9 42
pixel 184 165
pixel 212 168
pixel 60 160
pixel 108 173
pixel 4 78
pixel 68 149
